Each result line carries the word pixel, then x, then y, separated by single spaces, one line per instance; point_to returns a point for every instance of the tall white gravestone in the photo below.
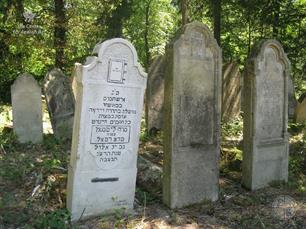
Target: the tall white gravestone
pixel 109 101
pixel 265 137
pixel 27 109
pixel 192 110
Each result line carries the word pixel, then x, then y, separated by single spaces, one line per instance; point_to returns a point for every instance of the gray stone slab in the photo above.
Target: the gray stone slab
pixel 292 103
pixel 265 137
pixel 27 109
pixel 60 102
pixel 192 117
pixel 231 91
pixel 155 95
pixel 109 93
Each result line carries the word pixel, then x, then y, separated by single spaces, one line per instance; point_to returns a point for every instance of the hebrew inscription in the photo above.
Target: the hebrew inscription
pixel 111 122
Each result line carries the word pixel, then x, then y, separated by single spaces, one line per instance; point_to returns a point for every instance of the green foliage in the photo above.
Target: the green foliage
pixel 297 157
pixel 144 136
pixel 232 128
pixel 159 26
pixel 148 24
pixel 57 219
pixel 145 197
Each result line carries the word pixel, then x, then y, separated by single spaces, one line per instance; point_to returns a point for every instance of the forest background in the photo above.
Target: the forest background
pixel 37 35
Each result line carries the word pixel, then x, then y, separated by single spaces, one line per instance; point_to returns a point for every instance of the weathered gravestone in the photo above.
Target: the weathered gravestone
pixel 265 137
pixel 155 95
pixel 60 102
pixel 192 117
pixel 292 103
pixel 27 109
pixel 231 91
pixel 109 102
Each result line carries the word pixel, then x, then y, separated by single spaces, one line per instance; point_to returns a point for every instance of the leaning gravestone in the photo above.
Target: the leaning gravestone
pixel 192 117
pixel 27 109
pixel 265 137
pixel 60 102
pixel 155 95
pixel 231 91
pixel 109 102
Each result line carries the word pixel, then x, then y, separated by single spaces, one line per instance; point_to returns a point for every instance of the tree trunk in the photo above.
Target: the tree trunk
pixel 276 9
pixel 184 7
pixel 146 35
pixel 19 10
pixel 115 21
pixel 217 20
pixel 59 32
pixel 249 35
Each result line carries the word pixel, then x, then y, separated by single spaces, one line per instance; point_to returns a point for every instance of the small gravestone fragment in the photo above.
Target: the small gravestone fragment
pixel 192 117
pixel 60 102
pixel 109 100
pixel 265 137
pixel 27 109
pixel 231 91
pixel 155 95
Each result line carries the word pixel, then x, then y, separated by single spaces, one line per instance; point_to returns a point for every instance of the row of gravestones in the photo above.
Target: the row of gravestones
pixel 27 106
pixel 60 101
pixel 232 84
pixel 231 93
pixel 108 91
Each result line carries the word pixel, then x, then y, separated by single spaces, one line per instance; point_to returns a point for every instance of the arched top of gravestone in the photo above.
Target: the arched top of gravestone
pixel 197 31
pixel 116 63
pixel 269 50
pixel 54 73
pixel 25 82
pixel 51 76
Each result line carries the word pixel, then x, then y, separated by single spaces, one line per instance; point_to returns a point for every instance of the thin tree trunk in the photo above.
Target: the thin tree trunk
pixel 146 34
pixel 59 32
pixel 276 18
pixel 115 21
pixel 249 35
pixel 19 56
pixel 184 7
pixel 19 10
pixel 217 20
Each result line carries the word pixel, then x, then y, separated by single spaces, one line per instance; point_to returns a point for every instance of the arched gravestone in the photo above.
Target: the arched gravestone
pixel 109 101
pixel 27 110
pixel 155 94
pixel 192 117
pixel 265 137
pixel 60 102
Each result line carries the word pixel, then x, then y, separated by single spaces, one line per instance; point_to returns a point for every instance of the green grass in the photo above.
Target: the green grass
pixel 232 128
pixel 24 167
pixel 57 219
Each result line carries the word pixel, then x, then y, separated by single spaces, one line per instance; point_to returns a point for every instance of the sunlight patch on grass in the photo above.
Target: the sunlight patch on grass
pixel 6 116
